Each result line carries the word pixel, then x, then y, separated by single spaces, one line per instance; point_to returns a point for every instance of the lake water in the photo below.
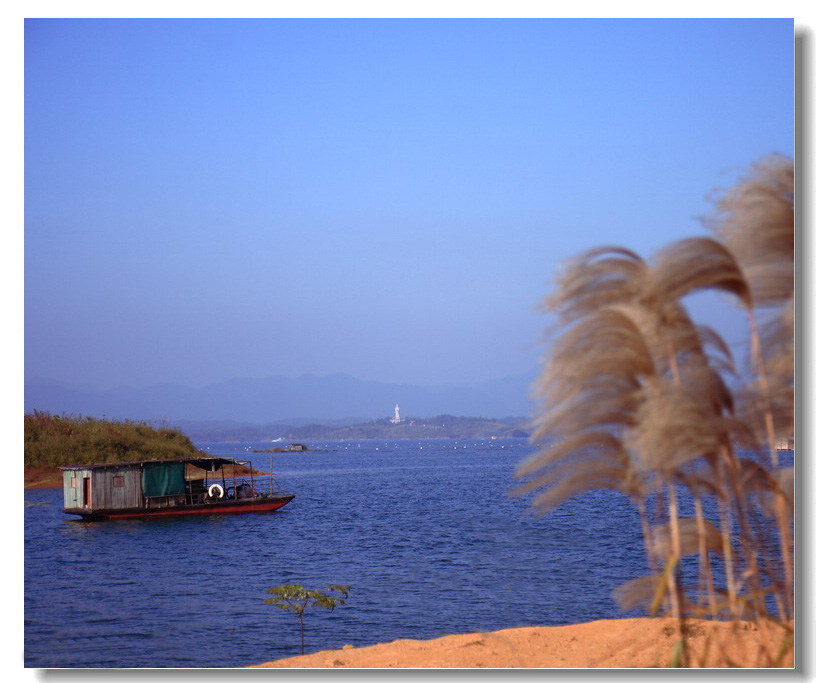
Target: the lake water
pixel 425 532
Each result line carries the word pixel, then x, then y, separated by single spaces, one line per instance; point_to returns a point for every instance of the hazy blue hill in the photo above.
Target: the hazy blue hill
pixel 277 398
pixel 439 427
pixel 231 430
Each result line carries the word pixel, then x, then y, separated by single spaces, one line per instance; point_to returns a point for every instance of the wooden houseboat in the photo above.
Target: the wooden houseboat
pixel 167 488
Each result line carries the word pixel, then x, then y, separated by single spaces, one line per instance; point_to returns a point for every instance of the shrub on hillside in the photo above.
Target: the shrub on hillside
pixel 53 440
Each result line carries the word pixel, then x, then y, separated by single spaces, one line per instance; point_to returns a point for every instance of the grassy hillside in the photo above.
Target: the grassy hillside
pixel 52 440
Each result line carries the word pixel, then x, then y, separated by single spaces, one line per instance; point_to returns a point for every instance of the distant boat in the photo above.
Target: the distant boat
pixel 292 447
pixel 278 440
pixel 166 488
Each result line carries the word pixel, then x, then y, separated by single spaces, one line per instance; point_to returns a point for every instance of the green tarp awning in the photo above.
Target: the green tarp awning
pixel 163 478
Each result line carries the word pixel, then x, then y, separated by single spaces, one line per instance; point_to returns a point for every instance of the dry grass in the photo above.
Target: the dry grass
pixel 638 398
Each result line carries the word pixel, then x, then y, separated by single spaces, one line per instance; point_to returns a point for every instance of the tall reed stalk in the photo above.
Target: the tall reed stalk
pixel 638 398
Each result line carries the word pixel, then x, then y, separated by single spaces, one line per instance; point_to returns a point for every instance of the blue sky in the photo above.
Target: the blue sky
pixel 208 199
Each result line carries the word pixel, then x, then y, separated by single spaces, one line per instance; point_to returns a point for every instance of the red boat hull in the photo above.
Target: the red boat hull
pixel 252 505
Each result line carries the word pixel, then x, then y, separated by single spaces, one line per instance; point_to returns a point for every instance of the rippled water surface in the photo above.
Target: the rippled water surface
pixel 425 532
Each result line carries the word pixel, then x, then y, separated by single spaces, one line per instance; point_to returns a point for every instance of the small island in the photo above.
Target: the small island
pixel 439 427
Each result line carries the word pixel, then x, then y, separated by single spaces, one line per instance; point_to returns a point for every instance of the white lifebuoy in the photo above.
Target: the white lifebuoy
pixel 216 487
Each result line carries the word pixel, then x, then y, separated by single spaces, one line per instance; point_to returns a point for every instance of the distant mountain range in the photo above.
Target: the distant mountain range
pixel 334 399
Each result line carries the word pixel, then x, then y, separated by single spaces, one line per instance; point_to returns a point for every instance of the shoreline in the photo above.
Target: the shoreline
pixel 51 477
pixel 640 642
pixel 42 478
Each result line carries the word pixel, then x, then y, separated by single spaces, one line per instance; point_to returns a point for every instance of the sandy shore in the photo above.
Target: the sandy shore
pixel 615 643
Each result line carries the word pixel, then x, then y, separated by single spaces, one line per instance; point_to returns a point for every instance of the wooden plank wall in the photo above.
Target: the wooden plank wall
pixel 72 494
pixel 117 487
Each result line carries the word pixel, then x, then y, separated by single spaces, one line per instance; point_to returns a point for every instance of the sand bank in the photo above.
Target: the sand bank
pixel 613 643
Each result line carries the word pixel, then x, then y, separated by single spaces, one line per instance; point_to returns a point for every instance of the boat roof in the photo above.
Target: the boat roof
pixel 209 463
